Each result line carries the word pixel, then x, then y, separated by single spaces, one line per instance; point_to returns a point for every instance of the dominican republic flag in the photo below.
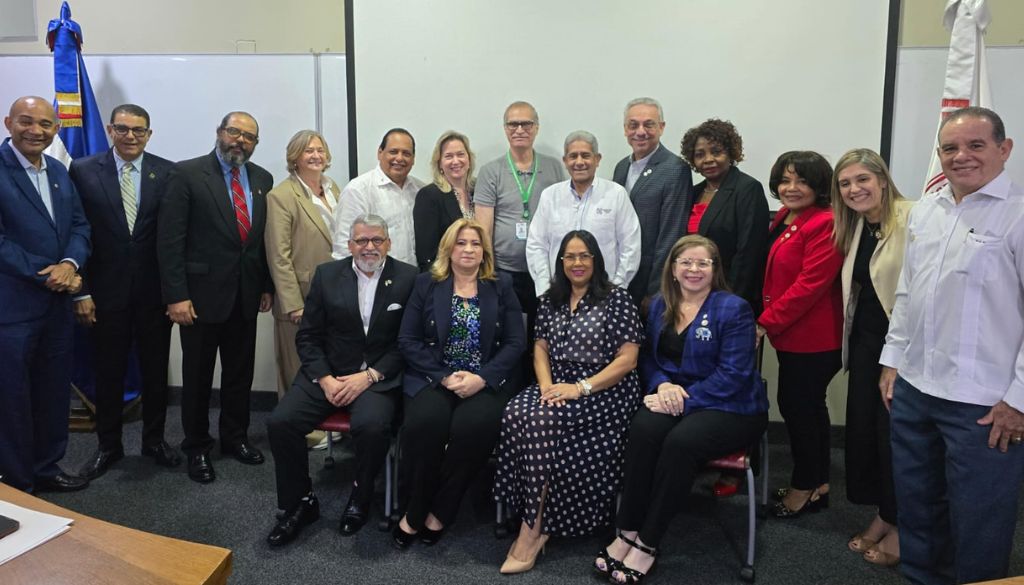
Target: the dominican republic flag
pixel 81 134
pixel 966 71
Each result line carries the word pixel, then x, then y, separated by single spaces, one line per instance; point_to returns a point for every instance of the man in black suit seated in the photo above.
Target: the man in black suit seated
pixel 659 185
pixel 120 299
pixel 348 344
pixel 214 276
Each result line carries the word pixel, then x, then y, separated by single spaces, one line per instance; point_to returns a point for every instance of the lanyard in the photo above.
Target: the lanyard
pixel 524 193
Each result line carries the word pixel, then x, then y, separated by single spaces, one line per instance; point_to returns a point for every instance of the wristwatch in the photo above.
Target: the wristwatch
pixel 587 386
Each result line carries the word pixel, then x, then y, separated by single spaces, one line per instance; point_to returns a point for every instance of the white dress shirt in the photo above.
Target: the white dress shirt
pixel 957 329
pixel 603 210
pixel 373 192
pixel 366 289
pixel 636 167
pixel 326 209
pixel 41 179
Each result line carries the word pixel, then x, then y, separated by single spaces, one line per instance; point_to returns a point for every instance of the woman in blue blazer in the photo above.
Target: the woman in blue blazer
pixel 462 337
pixel 705 399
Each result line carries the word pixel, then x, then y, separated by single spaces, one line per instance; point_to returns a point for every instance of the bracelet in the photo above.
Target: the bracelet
pixel 369 376
pixel 585 387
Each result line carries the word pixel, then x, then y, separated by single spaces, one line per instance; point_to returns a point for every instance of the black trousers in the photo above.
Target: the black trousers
pixel 445 441
pixel 303 408
pixel 235 339
pixel 803 384
pixel 113 335
pixel 663 457
pixel 868 450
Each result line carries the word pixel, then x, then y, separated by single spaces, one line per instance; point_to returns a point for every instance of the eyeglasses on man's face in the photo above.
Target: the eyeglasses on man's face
pixel 514 125
pixel 362 242
pixel 122 130
pixel 235 133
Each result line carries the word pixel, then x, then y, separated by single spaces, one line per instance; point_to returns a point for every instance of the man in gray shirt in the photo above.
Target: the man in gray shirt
pixel 507 192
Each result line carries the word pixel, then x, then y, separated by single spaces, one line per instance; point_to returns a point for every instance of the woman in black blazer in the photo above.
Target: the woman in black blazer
pixel 462 337
pixel 447 199
pixel 729 206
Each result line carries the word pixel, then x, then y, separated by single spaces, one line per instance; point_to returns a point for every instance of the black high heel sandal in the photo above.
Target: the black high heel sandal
pixel 610 564
pixel 812 505
pixel 633 576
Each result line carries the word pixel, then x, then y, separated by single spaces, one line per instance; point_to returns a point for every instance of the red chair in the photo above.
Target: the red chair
pixel 340 421
pixel 741 461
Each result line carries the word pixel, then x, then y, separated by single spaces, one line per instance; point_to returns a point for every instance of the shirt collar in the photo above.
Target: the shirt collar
pixel 25 164
pixel 381 178
pixel 998 188
pixel 120 162
pixel 647 158
pixel 590 189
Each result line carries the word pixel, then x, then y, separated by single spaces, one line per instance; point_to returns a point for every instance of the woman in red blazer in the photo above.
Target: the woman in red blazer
pixel 803 319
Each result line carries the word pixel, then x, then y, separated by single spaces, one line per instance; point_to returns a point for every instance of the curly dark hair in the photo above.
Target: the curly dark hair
pixel 720 132
pixel 809 166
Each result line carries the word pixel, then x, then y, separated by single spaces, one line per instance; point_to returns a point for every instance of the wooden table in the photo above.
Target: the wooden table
pixel 94 551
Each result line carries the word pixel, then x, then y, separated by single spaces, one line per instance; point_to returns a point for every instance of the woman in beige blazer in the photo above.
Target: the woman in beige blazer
pixel 300 212
pixel 870 230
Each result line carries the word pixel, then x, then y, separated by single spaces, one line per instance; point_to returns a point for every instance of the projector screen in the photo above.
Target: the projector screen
pixel 790 74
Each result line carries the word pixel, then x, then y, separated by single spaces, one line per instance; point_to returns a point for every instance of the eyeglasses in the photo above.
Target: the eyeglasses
pixel 235 133
pixel 362 242
pixel 121 130
pixel 688 263
pixel 526 125
pixel 649 125
pixel 572 258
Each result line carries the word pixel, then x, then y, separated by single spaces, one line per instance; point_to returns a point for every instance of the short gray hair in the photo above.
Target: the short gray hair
pixel 644 101
pixel 521 104
pixel 369 220
pixel 581 135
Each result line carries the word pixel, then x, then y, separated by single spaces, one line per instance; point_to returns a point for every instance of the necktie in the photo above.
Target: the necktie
pixel 241 209
pixel 128 195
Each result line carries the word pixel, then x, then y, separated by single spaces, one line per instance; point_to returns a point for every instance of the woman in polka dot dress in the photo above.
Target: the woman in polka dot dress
pixel 562 439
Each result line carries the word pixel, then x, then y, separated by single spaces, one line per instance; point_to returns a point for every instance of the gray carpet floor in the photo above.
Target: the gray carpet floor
pixel 705 543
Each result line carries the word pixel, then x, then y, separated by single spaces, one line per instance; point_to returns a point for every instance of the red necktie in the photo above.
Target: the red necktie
pixel 241 209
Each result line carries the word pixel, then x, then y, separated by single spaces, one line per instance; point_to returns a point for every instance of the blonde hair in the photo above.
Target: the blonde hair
pixel 442 266
pixel 435 161
pixel 845 219
pixel 298 144
pixel 670 288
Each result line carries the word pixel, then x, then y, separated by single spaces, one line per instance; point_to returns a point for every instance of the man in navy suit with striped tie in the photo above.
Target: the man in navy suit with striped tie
pixel 120 301
pixel 215 280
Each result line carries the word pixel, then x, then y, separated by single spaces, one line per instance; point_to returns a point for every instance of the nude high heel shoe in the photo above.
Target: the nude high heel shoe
pixel 513 565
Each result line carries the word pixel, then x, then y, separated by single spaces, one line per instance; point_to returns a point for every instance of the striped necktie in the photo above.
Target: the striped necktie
pixel 128 195
pixel 241 209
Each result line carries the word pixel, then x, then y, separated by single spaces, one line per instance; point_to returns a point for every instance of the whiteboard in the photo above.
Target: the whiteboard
pixel 919 78
pixel 790 74
pixel 186 97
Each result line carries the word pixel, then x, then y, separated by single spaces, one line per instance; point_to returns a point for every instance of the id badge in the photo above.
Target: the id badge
pixel 522 227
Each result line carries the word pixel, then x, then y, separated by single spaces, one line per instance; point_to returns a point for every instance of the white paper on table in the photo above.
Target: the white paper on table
pixel 36 528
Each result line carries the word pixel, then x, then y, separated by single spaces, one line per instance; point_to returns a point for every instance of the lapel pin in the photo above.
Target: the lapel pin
pixel 152 175
pixel 703 334
pixel 647 172
pixel 387 282
pixel 56 186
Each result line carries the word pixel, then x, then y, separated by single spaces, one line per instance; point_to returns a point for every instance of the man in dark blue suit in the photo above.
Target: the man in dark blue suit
pixel 44 240
pixel 121 191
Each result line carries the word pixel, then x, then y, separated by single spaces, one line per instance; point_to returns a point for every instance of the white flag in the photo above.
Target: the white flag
pixel 966 71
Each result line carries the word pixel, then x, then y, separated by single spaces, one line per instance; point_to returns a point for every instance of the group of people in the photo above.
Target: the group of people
pixel 602 336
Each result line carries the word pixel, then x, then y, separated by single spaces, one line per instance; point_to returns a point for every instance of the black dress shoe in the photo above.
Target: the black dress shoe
pixel 244 452
pixel 61 482
pixel 200 468
pixel 163 454
pixel 353 518
pixel 430 537
pixel 288 527
pixel 100 462
pixel 400 538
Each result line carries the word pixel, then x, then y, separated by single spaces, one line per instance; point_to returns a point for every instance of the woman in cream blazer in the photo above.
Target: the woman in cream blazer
pixel 870 230
pixel 298 239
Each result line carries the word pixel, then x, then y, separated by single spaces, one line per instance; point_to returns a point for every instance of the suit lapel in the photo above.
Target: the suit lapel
pixel 309 208
pixel 23 183
pixel 382 294
pixel 151 177
pixel 488 313
pixel 259 205
pixel 721 200
pixel 622 170
pixel 111 185
pixel 350 292
pixel 646 172
pixel 443 292
pixel 221 198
